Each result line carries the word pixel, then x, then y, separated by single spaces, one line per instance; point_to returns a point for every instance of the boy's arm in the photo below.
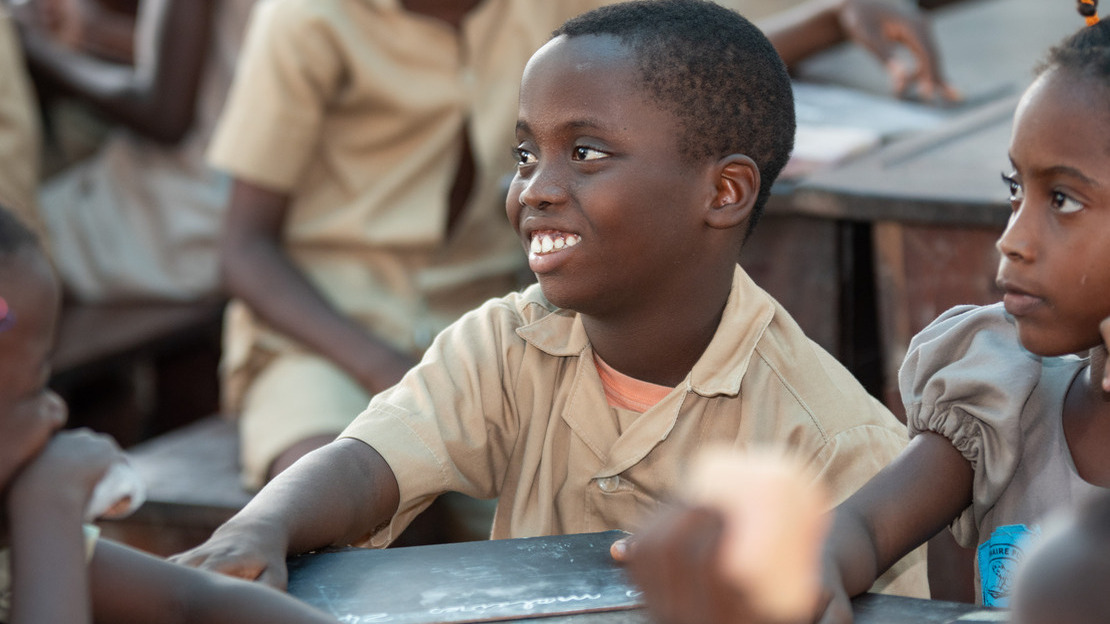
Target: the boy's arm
pixel 257 269
pixel 879 26
pixel 156 93
pixel 131 586
pixel 335 495
pixel 46 504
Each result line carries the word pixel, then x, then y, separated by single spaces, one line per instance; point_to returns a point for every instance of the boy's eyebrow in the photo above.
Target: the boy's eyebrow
pixel 577 124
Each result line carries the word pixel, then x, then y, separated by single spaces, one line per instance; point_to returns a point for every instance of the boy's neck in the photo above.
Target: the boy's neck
pixel 660 347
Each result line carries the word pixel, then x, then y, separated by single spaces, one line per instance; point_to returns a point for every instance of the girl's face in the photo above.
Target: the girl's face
pixel 1055 264
pixel 29 411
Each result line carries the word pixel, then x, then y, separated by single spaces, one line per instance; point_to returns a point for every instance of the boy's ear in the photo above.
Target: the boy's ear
pixel 737 183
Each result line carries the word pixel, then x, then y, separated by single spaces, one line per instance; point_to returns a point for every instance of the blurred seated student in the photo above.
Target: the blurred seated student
pixel 1008 404
pixel 1064 579
pixel 52 568
pixel 20 131
pixel 138 219
pixel 578 401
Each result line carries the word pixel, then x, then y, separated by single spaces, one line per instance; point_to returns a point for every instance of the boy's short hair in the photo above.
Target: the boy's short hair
pixel 714 70
pixel 14 234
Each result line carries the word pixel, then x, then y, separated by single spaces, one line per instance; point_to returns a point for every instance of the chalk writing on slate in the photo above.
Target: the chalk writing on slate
pixel 466 582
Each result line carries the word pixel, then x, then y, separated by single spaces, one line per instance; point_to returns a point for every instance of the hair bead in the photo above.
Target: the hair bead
pixel 1089 10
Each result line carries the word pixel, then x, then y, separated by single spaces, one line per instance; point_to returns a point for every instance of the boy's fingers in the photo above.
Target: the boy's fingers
pixel 621 550
pixel 1104 329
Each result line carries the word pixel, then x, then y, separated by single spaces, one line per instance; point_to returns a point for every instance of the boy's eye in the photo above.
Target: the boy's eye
pixel 583 152
pixel 523 156
pixel 1064 204
pixel 1017 194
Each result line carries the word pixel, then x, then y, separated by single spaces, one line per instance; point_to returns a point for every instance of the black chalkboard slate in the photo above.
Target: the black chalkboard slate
pixel 465 582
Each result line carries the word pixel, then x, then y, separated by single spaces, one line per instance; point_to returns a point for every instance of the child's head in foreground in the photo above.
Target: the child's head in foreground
pixel 1055 252
pixel 649 136
pixel 1066 579
pixel 29 299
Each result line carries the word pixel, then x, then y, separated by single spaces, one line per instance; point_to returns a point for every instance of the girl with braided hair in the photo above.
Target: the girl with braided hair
pixel 1008 404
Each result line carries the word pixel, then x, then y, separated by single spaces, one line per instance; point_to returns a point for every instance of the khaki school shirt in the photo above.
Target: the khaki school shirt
pixel 508 403
pixel 20 135
pixel 357 108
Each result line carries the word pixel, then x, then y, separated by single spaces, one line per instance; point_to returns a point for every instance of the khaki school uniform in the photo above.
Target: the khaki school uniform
pixel 508 403
pixel 20 134
pixel 357 108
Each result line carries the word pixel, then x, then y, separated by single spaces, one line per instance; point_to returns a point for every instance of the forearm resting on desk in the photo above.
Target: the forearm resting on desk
pixel 334 496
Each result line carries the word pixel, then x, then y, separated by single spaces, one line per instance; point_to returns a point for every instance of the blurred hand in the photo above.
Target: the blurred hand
pixel 67 469
pixel 880 28
pixel 249 553
pixel 375 366
pixel 26 428
pixel 68 21
pixel 674 561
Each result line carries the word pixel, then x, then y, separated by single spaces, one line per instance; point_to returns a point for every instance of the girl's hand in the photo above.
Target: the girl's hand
pixel 25 430
pixel 65 473
pixel 249 552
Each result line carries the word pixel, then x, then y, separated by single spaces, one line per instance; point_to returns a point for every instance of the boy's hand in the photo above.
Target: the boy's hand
pixel 246 553
pixel 67 470
pixel 25 430
pixel 880 28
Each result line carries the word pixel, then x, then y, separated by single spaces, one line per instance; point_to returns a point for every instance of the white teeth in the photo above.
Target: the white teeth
pixel 546 243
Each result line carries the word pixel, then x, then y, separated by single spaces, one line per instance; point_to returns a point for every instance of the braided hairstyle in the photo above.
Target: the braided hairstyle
pixel 1087 52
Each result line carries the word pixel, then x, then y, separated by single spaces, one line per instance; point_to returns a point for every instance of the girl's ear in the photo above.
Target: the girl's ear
pixel 737 183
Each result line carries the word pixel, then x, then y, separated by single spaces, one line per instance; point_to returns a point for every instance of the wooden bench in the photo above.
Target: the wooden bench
pixel 137 369
pixel 192 480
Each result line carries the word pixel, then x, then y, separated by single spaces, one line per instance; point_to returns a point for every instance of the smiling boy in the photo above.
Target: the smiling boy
pixel 648 138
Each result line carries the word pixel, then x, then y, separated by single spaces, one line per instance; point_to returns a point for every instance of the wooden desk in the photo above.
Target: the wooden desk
pixel 568 579
pixel 933 204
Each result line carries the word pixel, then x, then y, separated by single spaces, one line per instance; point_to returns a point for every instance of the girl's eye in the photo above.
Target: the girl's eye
pixel 1064 204
pixel 582 152
pixel 523 156
pixel 1017 194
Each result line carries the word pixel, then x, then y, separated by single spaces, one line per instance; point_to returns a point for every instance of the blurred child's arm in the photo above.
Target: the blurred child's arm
pixel 1104 327
pixel 154 95
pixel 259 271
pixel 131 586
pixel 923 490
pixel 335 495
pixel 878 25
pixel 46 504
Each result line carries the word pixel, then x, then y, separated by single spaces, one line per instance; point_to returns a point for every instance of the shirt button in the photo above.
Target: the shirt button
pixel 609 484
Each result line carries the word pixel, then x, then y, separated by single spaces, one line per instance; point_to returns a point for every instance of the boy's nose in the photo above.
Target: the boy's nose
pixel 544 188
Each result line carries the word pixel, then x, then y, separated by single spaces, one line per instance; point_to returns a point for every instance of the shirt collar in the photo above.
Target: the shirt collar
pixel 719 370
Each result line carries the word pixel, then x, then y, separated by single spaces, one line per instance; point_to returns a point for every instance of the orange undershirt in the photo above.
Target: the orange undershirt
pixel 624 392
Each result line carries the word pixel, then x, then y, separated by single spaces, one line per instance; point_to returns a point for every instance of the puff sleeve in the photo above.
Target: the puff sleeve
pixel 967 377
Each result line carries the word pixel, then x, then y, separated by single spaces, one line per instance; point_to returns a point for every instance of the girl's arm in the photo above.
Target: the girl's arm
pixel 923 490
pixel 46 504
pixel 131 586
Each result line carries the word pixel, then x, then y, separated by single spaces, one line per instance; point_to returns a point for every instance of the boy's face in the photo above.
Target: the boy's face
pixel 1055 265
pixel 607 207
pixel 29 411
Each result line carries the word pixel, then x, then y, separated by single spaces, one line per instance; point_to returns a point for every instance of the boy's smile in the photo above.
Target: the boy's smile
pixel 605 204
pixel 1055 265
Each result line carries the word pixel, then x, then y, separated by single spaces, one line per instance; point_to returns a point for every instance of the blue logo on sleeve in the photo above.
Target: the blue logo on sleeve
pixel 999 558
